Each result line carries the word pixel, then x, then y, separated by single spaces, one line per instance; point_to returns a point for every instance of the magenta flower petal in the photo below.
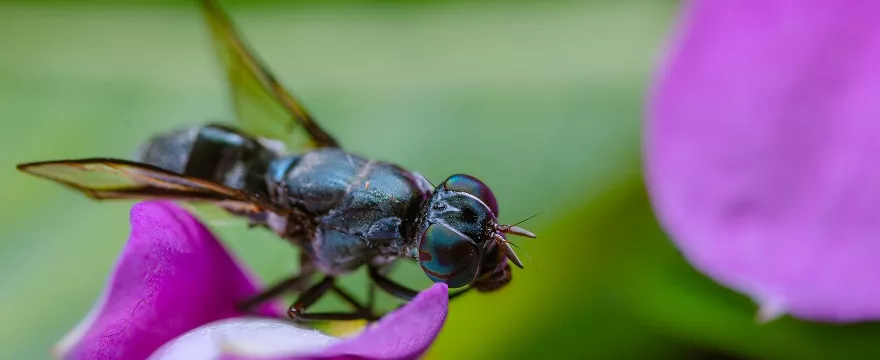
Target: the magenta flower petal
pixel 171 277
pixel 762 150
pixel 403 334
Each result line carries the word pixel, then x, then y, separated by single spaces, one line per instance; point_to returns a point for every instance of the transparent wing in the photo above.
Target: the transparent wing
pixel 102 179
pixel 263 107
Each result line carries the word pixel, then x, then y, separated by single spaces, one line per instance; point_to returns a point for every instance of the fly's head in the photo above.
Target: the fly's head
pixel 460 240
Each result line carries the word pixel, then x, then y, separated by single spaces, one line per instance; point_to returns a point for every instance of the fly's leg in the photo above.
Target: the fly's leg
pixel 371 299
pixel 309 297
pixel 313 294
pixel 390 286
pixel 371 296
pixel 351 300
pixel 402 292
pixel 295 284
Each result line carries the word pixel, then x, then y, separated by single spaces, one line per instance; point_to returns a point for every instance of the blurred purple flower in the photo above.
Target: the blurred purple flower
pixel 174 288
pixel 762 149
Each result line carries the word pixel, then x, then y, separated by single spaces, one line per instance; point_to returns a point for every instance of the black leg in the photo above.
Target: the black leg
pixel 310 297
pixel 296 284
pixel 335 316
pixel 371 299
pixel 371 295
pixel 313 294
pixel 350 299
pixel 390 286
pixel 400 291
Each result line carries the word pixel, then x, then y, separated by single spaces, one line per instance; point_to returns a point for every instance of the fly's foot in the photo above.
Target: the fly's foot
pixel 296 314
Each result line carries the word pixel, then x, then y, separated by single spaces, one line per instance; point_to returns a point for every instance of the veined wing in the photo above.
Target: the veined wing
pixel 102 179
pixel 262 105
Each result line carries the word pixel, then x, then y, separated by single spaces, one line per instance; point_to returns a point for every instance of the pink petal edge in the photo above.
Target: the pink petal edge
pixel 763 134
pixel 172 276
pixel 404 334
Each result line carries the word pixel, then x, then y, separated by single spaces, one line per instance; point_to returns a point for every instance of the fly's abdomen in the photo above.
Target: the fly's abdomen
pixel 213 152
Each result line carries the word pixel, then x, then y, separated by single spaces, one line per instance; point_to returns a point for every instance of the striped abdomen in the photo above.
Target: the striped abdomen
pixel 213 152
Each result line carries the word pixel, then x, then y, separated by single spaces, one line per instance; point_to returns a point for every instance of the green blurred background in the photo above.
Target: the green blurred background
pixel 540 99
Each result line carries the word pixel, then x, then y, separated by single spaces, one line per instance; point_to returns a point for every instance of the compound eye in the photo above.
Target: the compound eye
pixel 448 256
pixel 471 185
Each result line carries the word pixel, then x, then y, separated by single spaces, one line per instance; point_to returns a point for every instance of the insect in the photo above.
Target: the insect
pixel 282 171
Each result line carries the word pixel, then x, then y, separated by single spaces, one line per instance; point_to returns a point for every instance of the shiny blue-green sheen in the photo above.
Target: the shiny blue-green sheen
pixel 471 185
pixel 454 227
pixel 448 256
pixel 344 210
pixel 461 212
pixel 350 209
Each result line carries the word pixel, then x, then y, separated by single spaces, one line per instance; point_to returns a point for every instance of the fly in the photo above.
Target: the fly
pixel 282 171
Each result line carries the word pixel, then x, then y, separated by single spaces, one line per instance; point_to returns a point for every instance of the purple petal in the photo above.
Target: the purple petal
pixel 172 276
pixel 403 334
pixel 762 150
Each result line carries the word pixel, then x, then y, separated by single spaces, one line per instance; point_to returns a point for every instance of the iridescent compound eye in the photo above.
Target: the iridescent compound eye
pixel 448 256
pixel 471 185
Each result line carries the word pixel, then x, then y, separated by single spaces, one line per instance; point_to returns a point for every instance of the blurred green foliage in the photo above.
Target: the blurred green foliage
pixel 542 100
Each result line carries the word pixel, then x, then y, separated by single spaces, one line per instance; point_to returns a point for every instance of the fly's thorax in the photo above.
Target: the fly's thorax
pixel 316 181
pixel 422 184
pixel 361 209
